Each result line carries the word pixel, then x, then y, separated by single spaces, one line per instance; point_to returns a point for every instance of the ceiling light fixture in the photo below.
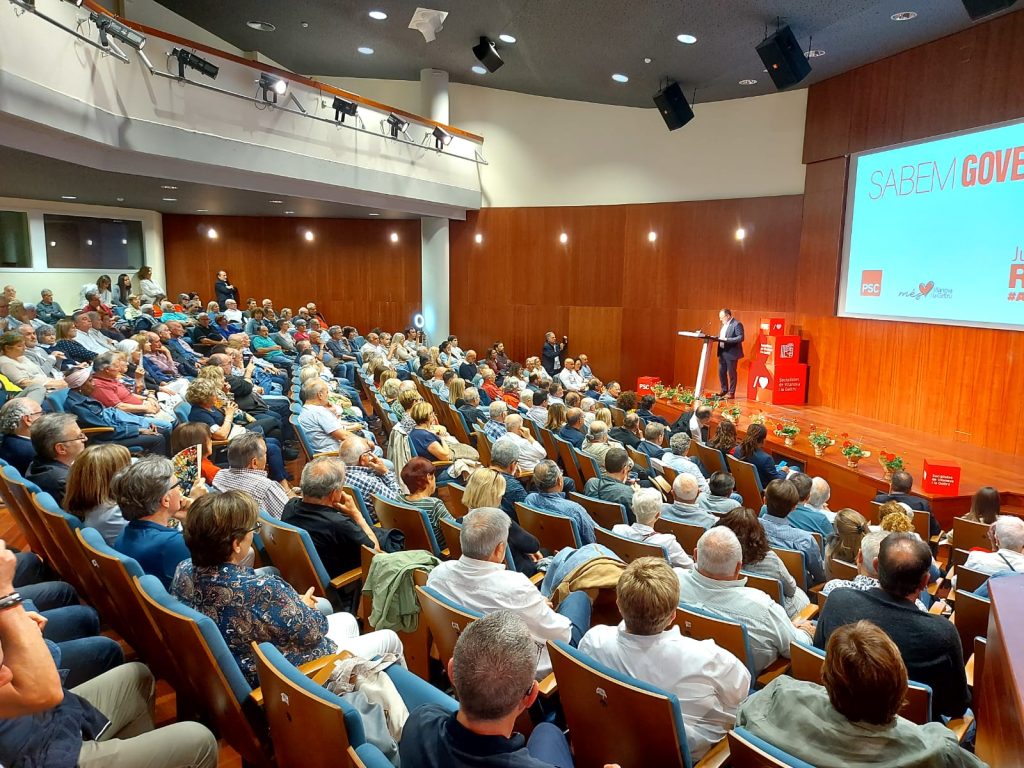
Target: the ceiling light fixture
pixel 119 199
pixel 686 39
pixel 275 202
pixel 212 233
pixel 741 233
pixel 53 243
pixel 487 55
pixel 288 213
pixel 394 237
pixel 68 197
pixel 648 59
pixel 396 125
pixel 373 214
pixel 748 81
pixel 170 199
pixel 506 38
pixel 167 186
pixel 198 63
pixel 261 26
pixel 202 210
pixel 904 16
pixel 619 78
pixel 480 70
pixel 343 107
pixel 271 87
pixel 110 27
pixel 124 241
pixel 814 53
pixel 441 138
pixel 378 15
pixel 88 242
pixel 478 238
pixel 563 238
pixel 308 234
pixel 365 50
pixel 652 236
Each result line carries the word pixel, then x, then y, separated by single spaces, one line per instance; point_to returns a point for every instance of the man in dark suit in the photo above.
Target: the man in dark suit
pixel 224 290
pixel 730 350
pixel 629 433
pixel 468 368
pixel 899 490
pixel 551 357
pixel 694 423
pixel 653 443
pixel 572 432
pixel 646 411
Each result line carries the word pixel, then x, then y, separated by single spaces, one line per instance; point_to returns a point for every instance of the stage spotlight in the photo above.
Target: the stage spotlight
pixel 109 27
pixel 272 87
pixel 344 107
pixel 198 63
pixel 396 125
pixel 441 138
pixel 484 51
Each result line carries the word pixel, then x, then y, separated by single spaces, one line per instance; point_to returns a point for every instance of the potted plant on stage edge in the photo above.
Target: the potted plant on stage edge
pixel 852 451
pixel 686 397
pixel 821 440
pixel 788 432
pixel 890 463
pixel 732 413
pixel 759 418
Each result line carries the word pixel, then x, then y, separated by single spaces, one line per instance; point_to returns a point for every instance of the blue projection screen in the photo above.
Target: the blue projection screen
pixel 935 231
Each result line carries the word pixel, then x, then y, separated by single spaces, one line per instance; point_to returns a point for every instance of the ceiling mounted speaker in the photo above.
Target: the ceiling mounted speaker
pixel 671 103
pixel 783 58
pixel 979 9
pixel 484 51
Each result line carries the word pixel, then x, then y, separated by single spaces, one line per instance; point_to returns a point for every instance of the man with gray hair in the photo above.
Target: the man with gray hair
pixel 367 471
pixel 819 496
pixel 805 517
pixel 505 461
pixel 589 407
pixel 614 484
pixel 333 520
pixel 16 419
pixel 549 497
pixel 322 428
pixel 49 311
pixel 597 443
pixel 867 568
pixel 530 450
pixel 611 393
pixel 471 410
pixel 247 472
pixel 492 666
pixel 653 443
pixel 1007 535
pixel 686 507
pixel 647 509
pixel 676 458
pixel 480 581
pixel 715 585
pixel 573 431
pixel 57 441
pixel 494 427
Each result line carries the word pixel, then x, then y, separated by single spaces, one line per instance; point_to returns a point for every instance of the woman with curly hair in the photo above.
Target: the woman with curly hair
pixel 626 401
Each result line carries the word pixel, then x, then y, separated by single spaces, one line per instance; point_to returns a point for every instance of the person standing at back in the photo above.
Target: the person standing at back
pixel 551 357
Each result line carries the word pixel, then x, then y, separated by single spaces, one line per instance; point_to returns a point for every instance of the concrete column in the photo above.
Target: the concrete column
pixel 434 265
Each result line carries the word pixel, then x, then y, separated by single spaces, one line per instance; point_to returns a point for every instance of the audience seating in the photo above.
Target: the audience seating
pixel 794 562
pixel 483 446
pixel 458 508
pixel 568 456
pixel 639 458
pixel 446 620
pixel 667 472
pixel 969 535
pixel 554 532
pixel 840 569
pixel 618 416
pixel 686 534
pixel 589 468
pixel 547 439
pixel 451 533
pixel 710 458
pixel 412 521
pixel 15 491
pixel 357 497
pixel 605 513
pixel 968 579
pixel 748 484
pixel 970 618
pixel 771 587
pixel 749 751
pixel 628 549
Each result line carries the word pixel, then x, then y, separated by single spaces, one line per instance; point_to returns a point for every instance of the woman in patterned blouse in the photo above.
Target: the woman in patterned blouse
pixel 248 606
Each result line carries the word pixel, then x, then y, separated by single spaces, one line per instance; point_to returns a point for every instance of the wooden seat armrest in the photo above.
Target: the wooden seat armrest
pixel 349 577
pixel 325 453
pixel 715 757
pixel 548 686
pixel 809 612
pixel 527 476
pixel 219 443
pixel 317 670
pixel 537 578
pixel 442 463
pixel 937 608
pixel 779 667
pixel 96 430
pixel 960 726
pixel 969 671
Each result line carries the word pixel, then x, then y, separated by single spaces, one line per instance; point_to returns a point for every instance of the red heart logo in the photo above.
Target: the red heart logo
pixel 926 288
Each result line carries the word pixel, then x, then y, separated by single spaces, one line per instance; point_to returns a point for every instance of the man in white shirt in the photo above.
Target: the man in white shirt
pixel 480 581
pixel 538 411
pixel 322 428
pixel 530 451
pixel 1007 534
pixel 569 377
pixel 647 509
pixel 716 586
pixel 233 313
pixel 709 681
pixel 680 462
pixel 89 337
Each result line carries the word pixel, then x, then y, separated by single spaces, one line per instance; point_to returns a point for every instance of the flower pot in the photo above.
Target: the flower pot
pixel 790 441
pixel 729 417
pixel 887 476
pixel 819 450
pixel 852 462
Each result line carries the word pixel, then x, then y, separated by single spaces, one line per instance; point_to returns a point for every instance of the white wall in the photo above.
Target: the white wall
pixel 65 283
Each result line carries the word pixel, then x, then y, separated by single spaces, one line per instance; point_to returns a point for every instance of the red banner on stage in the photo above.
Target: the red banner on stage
pixel 645 383
pixel 941 478
pixel 776 373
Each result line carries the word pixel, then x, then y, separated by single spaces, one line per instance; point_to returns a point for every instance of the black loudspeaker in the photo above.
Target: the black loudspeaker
pixel 979 9
pixel 484 50
pixel 783 58
pixel 673 107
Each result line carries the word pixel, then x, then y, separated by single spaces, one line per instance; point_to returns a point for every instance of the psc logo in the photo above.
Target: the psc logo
pixel 871 282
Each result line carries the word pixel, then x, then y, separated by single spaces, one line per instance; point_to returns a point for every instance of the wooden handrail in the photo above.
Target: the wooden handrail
pixel 92 5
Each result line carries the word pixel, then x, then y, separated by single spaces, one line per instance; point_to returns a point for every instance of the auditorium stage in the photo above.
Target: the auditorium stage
pixel 854 487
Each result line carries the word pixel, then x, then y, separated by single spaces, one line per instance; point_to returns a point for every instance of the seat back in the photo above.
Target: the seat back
pixel 547 439
pixel 628 549
pixel 970 618
pixel 840 569
pixel 292 552
pixel 711 458
pixel 605 513
pixel 216 683
pixel 969 579
pixel 794 562
pixel 639 458
pixel 728 634
pixel 618 718
pixel 446 619
pixel 969 534
pixel 412 521
pixel 749 751
pixel 554 532
pixel 297 708
pixel 686 534
pixel 618 416
pixel 922 523
pixel 958 556
pixel 459 428
pixel 304 443
pixel 16 496
pixel 568 456
pixel 367 756
pixel 483 447
pixel 357 497
pixel 451 533
pixel 748 484
pixel 589 466
pixel 768 585
pixel 669 473
pixel 455 492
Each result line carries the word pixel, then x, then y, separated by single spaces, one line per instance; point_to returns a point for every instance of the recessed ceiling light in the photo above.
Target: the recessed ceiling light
pixel 201 210
pixel 304 24
pixel 365 50
pixel 686 39
pixel 88 242
pixel 652 236
pixel 741 233
pixel 261 26
pixel 68 197
pixel 124 241
pixel 904 16
pixel 563 238
pixel 373 214
pixel 378 15
pixel 619 78
pixel 288 213
pixel 275 202
pixel 394 237
pixel 479 238
pixel 648 59
pixel 211 233
pixel 748 81
pixel 507 39
pixel 170 199
pixel 167 186
pixel 119 199
pixel 308 234
pixel 480 70
pixel 53 243
pixel 814 53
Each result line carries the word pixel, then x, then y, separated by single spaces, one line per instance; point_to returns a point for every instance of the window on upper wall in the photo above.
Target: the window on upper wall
pixel 15 248
pixel 80 242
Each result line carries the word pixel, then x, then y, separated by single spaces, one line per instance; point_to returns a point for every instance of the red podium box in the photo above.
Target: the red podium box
pixel 644 384
pixel 790 385
pixel 941 478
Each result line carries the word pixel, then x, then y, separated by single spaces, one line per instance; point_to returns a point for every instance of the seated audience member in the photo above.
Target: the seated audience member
pixel 189 361
pixel 419 476
pixel 331 516
pixel 271 349
pixel 492 666
pixel 510 393
pixel 629 434
pixel 928 643
pixel 505 461
pixel 22 370
pixel 480 581
pixel 752 450
pixel 425 438
pixel 247 472
pixel 1007 535
pixel 780 499
pixel 685 507
pixel 645 411
pixel 556 395
pixel 530 449
pixel 367 471
pixel 486 488
pixel 573 431
pixel 89 335
pixel 49 363
pixel 108 389
pixel 676 458
pixel 984 508
pixel 594 389
pixel 58 441
pixel 759 559
pixel 159 365
pixel 248 606
pixel 719 497
pixel 899 490
pixel 69 344
pixel 103 721
pixel 128 429
pixel 849 529
pixel 16 419
pixel 710 682
pixel 88 496
pixel 697 424
pixel 583 367
pixel 539 410
pixel 894 517
pixel 490 386
pixel 150 499
pixel 549 497
pixel 49 311
pixel 856 714
pixel 653 443
pixel 611 393
pixel 494 427
pixel 647 509
pixel 471 411
pixel 866 560
pixel 817 501
pixel 717 586
pixel 205 335
pixel 804 516
pixel 614 483
pixel 570 378
pixel 597 443
pixel 467 369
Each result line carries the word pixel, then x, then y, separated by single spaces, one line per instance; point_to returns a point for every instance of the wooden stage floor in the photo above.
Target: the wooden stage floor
pixel 855 487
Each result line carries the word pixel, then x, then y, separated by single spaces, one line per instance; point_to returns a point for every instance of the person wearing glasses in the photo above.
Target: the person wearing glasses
pixel 58 441
pixel 248 606
pixel 150 498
